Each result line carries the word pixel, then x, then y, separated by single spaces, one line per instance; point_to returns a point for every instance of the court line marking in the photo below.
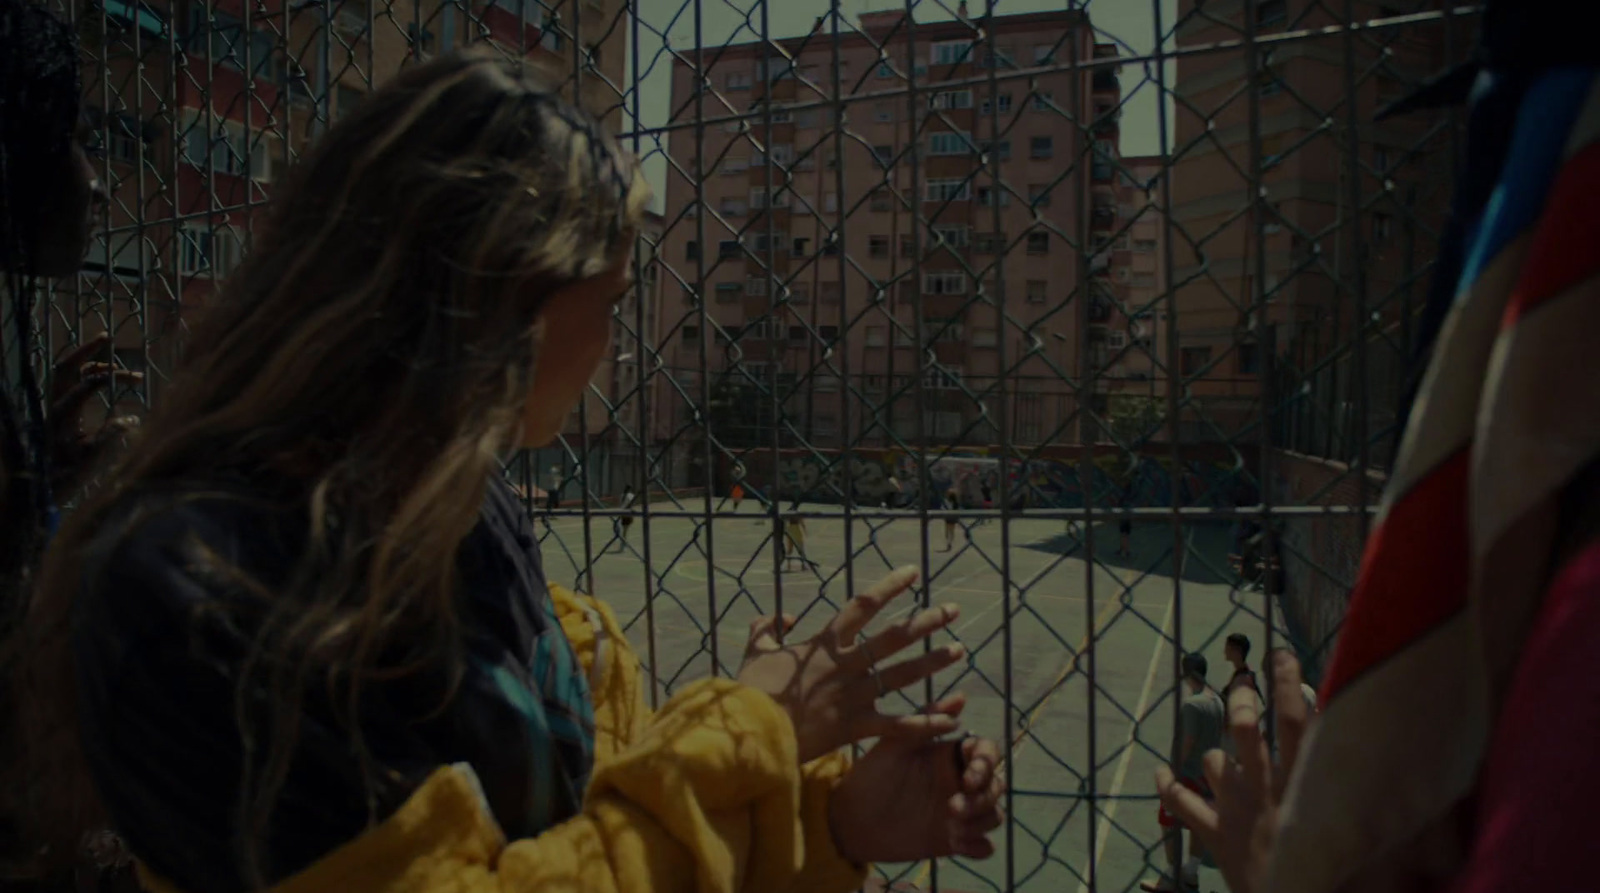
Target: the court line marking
pixel 1121 775
pixel 1055 687
pixel 1018 741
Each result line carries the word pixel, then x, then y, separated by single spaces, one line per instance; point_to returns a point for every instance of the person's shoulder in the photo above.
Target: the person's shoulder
pixel 149 538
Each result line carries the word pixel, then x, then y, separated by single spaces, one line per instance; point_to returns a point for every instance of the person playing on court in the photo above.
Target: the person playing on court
pixel 1237 651
pixel 301 636
pixel 625 521
pixel 794 537
pixel 1201 722
pixel 952 501
pixel 1125 538
pixel 891 497
pixel 736 495
pixel 552 496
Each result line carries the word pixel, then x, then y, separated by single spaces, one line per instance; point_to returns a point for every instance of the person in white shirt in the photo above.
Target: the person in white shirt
pixel 619 527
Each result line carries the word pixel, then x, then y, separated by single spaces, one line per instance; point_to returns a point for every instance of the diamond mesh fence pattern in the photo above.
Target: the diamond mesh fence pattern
pixel 1098 315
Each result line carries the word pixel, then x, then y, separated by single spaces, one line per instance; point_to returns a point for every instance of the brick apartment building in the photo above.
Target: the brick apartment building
pixel 1319 243
pixel 199 113
pixel 858 273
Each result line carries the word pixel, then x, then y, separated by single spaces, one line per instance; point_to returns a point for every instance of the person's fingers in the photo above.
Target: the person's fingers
pixel 861 609
pixel 911 629
pixel 1244 726
pixel 949 708
pixel 67 365
pixel 973 846
pixel 915 669
pixel 981 756
pixel 970 804
pixel 73 399
pixel 1190 808
pixel 764 632
pixel 1290 710
pixel 904 729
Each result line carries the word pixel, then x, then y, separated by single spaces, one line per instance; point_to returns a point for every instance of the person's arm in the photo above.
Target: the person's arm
pixel 709 796
pixel 622 715
pixel 1537 801
pixel 1185 736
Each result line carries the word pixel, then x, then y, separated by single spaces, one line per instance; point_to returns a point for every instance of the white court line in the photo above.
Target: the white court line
pixel 1121 775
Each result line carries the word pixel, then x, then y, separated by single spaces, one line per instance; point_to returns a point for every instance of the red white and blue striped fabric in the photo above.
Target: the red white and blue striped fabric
pixel 1460 556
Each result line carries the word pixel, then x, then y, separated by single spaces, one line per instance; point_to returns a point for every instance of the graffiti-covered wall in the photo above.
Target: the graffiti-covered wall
pixel 1102 478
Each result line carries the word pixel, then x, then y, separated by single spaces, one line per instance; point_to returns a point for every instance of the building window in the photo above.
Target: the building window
pixel 988 195
pixel 738 80
pixel 1002 104
pixel 947 190
pixel 949 142
pixel 951 99
pixel 990 243
pixel 883 112
pixel 1193 359
pixel 800 247
pixel 829 334
pixel 1143 280
pixel 730 166
pixel 829 292
pixel 1144 246
pixel 225 147
pixel 908 246
pixel 942 378
pixel 1041 101
pixel 1268 82
pixel 691 250
pixel 729 292
pixel 1039 195
pixel 728 249
pixel 878 246
pixel 884 154
pixel 1038 243
pixel 1000 150
pixel 755 286
pixel 691 335
pixel 830 202
pixel 799 294
pixel 797 334
pixel 1044 54
pixel 875 336
pixel 1036 291
pixel 944 283
pixel 985 338
pixel 207 251
pixel 1382 227
pixel 882 201
pixel 1249 359
pixel 733 207
pixel 955 235
pixel 1271 12
pixel 952 52
pixel 1041 147
pixel 1380 160
pixel 885 70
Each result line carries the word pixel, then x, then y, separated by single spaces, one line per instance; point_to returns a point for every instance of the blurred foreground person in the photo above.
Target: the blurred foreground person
pixel 1454 750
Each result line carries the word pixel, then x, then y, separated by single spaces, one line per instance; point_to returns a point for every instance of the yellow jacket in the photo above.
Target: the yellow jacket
pixel 705 795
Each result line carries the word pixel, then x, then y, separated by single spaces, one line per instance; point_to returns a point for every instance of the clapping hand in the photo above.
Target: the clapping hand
pixel 1241 830
pixel 830 684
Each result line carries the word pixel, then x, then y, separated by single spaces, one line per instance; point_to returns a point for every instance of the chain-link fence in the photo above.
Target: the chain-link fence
pixel 1098 313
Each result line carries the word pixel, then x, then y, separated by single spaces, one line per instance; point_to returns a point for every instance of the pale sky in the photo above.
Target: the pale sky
pixel 1129 23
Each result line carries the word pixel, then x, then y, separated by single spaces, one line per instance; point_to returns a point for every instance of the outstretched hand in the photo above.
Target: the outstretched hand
pixel 74 449
pixel 911 797
pixel 1241 830
pixel 830 684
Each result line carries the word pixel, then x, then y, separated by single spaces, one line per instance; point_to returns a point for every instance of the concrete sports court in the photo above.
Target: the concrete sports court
pixel 1068 741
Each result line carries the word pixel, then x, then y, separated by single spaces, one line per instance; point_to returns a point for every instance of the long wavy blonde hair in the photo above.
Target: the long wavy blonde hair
pixel 376 349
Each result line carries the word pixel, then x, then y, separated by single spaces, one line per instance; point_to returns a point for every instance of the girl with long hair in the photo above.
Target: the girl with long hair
pixel 301 638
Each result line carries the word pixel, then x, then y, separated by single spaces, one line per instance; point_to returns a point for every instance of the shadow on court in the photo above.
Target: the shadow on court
pixel 1205 556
